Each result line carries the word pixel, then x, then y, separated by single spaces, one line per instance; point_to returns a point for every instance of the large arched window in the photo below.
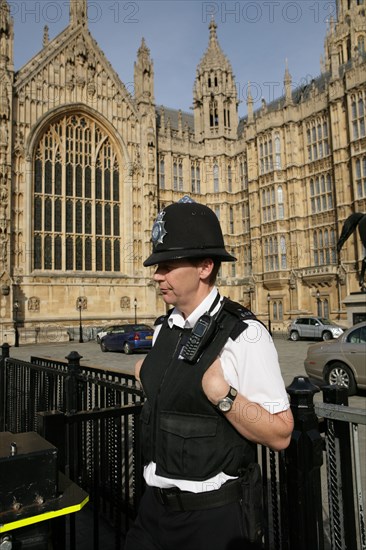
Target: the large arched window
pixel 76 203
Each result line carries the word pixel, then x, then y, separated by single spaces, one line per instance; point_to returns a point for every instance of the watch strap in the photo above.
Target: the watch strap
pixel 228 399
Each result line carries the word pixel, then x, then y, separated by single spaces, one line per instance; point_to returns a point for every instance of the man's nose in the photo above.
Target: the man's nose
pixel 158 276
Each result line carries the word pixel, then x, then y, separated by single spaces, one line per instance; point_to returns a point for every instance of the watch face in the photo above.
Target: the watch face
pixel 225 404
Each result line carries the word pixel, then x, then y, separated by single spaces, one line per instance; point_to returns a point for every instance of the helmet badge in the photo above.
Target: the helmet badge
pixel 158 231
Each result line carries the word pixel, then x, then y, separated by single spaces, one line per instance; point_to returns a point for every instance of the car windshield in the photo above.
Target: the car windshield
pixel 141 327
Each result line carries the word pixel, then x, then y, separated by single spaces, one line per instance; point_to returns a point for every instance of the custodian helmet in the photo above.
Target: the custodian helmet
pixel 187 230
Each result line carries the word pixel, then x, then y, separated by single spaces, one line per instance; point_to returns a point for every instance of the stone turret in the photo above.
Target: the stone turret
pixel 215 100
pixel 6 117
pixel 346 38
pixel 78 12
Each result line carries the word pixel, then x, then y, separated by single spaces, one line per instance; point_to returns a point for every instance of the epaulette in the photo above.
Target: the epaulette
pixel 242 313
pixel 159 320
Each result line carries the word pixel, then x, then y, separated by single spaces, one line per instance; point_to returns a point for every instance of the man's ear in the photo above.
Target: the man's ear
pixel 206 266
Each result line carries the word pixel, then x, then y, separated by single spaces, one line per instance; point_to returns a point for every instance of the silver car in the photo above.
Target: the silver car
pixel 314 328
pixel 341 361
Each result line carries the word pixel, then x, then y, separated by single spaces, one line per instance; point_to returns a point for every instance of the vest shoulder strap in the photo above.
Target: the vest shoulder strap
pixel 238 310
pixel 160 320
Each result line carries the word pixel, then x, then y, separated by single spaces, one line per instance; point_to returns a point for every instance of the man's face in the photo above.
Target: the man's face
pixel 182 284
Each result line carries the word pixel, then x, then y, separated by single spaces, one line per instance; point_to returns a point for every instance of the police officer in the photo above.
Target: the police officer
pixel 213 390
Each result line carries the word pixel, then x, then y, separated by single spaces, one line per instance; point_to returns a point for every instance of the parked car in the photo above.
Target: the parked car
pixel 341 361
pixel 102 332
pixel 127 338
pixel 314 328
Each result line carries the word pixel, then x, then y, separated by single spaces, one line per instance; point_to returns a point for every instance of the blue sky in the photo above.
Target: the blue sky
pixel 257 36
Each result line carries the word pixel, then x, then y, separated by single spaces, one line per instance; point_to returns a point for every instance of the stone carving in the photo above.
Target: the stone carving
pixel 4 99
pixel 135 167
pixel 19 142
pixel 3 202
pixel 3 250
pixel 33 304
pixel 125 302
pixel 292 281
pixel 3 132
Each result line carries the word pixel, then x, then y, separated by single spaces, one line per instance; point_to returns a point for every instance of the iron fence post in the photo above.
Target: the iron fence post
pixel 341 491
pixel 51 426
pixel 72 406
pixel 4 354
pixel 304 458
pixel 71 382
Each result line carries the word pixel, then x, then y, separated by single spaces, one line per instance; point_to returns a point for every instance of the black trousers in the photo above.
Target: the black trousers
pixel 158 528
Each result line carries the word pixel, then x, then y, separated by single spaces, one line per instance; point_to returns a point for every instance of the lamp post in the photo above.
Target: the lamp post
pixel 251 292
pixel 16 331
pixel 135 306
pixel 269 313
pixel 80 307
pixel 318 303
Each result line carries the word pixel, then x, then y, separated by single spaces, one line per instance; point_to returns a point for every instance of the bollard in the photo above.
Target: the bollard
pixel 304 458
pixel 5 350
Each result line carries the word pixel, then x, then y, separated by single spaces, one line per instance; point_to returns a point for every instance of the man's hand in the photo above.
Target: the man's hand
pixel 138 366
pixel 214 384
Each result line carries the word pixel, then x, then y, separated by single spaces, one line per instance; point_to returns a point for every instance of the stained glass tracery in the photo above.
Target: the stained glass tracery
pixel 76 203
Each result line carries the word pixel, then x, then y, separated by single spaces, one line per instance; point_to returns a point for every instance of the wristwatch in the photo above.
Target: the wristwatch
pixel 225 404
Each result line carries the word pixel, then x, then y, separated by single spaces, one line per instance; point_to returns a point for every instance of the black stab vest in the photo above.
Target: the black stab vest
pixel 182 431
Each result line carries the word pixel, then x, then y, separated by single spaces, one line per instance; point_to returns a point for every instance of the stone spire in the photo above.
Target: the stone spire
pixel 144 75
pixel 78 12
pixel 250 105
pixel 287 83
pixel 214 57
pixel 46 36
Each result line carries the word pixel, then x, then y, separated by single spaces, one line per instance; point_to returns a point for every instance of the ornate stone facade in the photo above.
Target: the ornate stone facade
pixel 85 166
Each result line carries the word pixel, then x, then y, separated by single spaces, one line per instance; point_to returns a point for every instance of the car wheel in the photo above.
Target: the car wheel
pixel 340 374
pixel 327 335
pixel 294 336
pixel 103 346
pixel 127 348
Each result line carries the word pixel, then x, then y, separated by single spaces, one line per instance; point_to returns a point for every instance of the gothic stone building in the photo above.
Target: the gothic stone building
pixel 85 166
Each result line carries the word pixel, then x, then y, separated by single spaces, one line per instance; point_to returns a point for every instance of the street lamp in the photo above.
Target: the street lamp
pixel 135 306
pixel 80 307
pixel 16 331
pixel 269 313
pixel 318 303
pixel 251 292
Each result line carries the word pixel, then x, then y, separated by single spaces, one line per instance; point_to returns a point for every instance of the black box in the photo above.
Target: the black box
pixel 28 470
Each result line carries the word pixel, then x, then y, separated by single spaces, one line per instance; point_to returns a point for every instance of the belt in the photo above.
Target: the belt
pixel 185 501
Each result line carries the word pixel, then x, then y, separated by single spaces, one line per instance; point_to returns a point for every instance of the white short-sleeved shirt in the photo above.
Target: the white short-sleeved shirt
pixel 250 364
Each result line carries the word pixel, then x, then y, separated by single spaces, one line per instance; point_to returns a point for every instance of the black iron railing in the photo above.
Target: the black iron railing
pixel 312 491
